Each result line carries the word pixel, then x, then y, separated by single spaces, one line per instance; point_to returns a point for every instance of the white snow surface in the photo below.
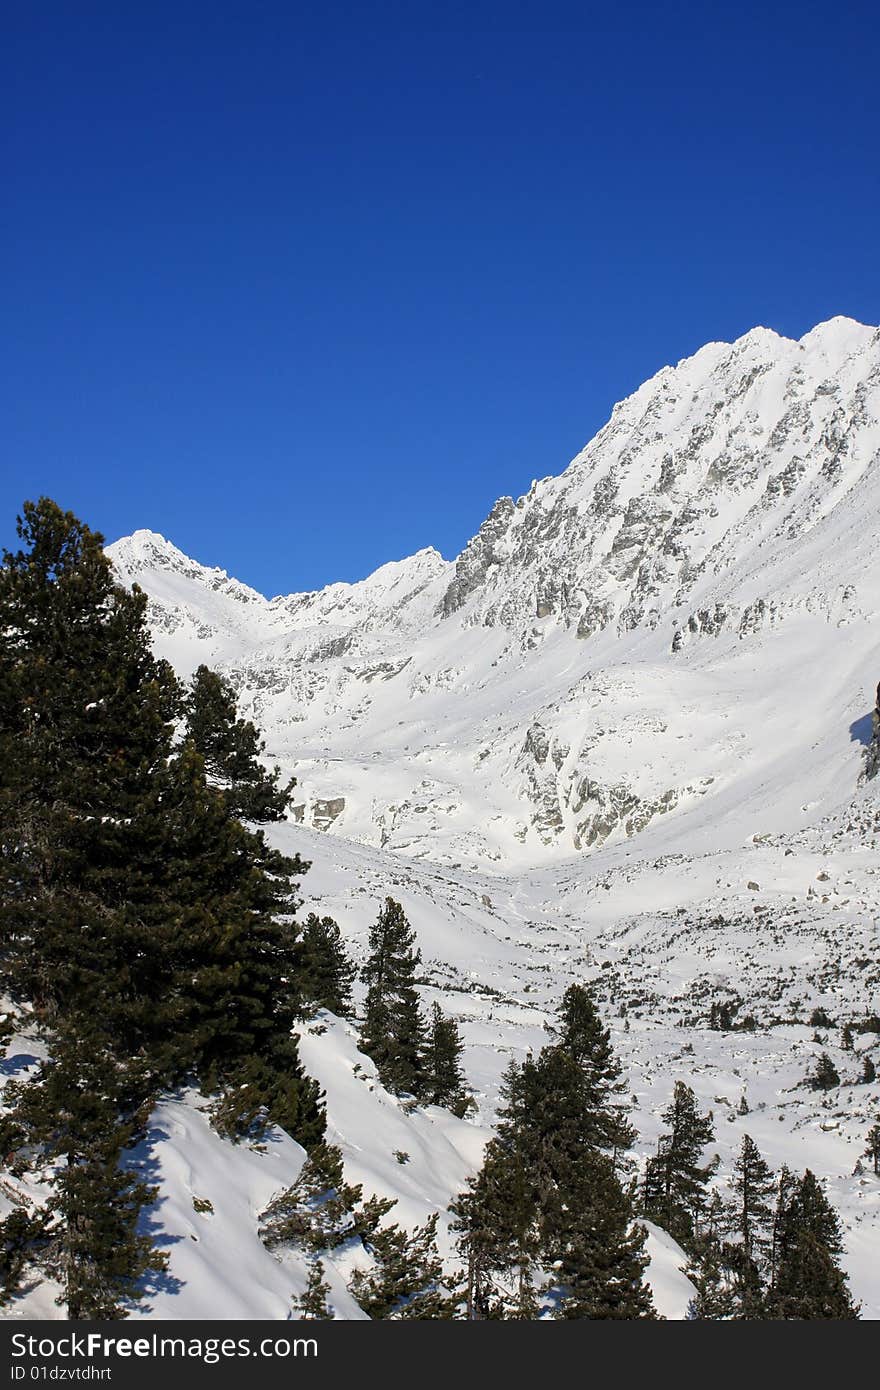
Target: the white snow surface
pixel 621 739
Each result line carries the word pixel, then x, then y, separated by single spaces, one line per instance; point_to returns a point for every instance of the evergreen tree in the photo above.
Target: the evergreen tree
pixel 581 1034
pixel 675 1180
pixel 585 1215
pixel 393 1030
pixel 712 1274
pixel 713 1264
pixel 325 971
pixel 809 1283
pixel 232 749
pixel 405 1282
pixel 321 1211
pixel 142 927
pixel 131 894
pixel 869 1071
pixel 785 1185
pixel 312 1305
pixel 87 1239
pixel 872 1149
pixel 597 1252
pixel 497 1221
pixel 22 1236
pixel 548 1196
pixel 443 1079
pixel 825 1077
pixel 754 1185
pixel 86 720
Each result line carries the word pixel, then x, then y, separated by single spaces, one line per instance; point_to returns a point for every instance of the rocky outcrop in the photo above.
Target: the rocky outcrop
pixel 480 557
pixel 872 754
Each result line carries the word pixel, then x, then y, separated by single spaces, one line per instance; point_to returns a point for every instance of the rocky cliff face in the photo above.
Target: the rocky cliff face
pixel 657 630
pixel 712 471
pixel 872 754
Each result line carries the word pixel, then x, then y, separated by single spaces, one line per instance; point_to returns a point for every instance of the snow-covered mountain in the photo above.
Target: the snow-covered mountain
pixel 622 737
pixel 646 633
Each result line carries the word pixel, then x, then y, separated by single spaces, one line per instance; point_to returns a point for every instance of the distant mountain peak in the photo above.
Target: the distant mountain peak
pixel 574 672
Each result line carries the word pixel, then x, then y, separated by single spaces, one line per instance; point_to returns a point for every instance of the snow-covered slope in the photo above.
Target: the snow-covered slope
pixel 648 632
pixel 620 737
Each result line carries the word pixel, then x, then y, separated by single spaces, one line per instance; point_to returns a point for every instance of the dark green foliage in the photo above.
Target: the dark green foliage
pixel 596 1250
pixel 312 1305
pixel 88 1239
pixel 808 1282
pixel 442 1077
pixel 393 1031
pixel 825 1077
pixel 583 1037
pixel 548 1197
pixel 869 1071
pixel 131 895
pixel 754 1186
pixel 325 973
pixel 714 1263
pixel 872 1148
pixel 722 1014
pixel 86 721
pixel 782 1263
pixel 232 748
pixel 93 1248
pixel 144 930
pixel 321 1211
pixel 405 1282
pixel 675 1180
pixel 21 1238
pixel 497 1219
pixel 272 1089
pixel 819 1018
pixel 712 1275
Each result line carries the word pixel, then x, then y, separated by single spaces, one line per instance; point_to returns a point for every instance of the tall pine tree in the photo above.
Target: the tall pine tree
pixel 325 973
pixel 675 1179
pixel 587 1041
pixel 142 924
pixel 442 1077
pixel 809 1283
pixel 754 1186
pixel 548 1216
pixel 393 1031
pixel 233 749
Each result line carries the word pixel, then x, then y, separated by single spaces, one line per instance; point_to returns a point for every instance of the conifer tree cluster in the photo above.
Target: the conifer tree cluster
pixel 548 1223
pixel 412 1057
pixel 770 1252
pixel 145 932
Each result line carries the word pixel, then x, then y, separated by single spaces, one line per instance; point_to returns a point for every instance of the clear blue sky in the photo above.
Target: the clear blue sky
pixel 306 287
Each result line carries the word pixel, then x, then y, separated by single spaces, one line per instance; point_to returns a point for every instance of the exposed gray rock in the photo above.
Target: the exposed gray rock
pixel 479 557
pixel 326 812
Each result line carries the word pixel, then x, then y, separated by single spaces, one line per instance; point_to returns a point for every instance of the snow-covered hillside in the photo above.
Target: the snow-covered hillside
pixel 620 737
pixel 654 632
